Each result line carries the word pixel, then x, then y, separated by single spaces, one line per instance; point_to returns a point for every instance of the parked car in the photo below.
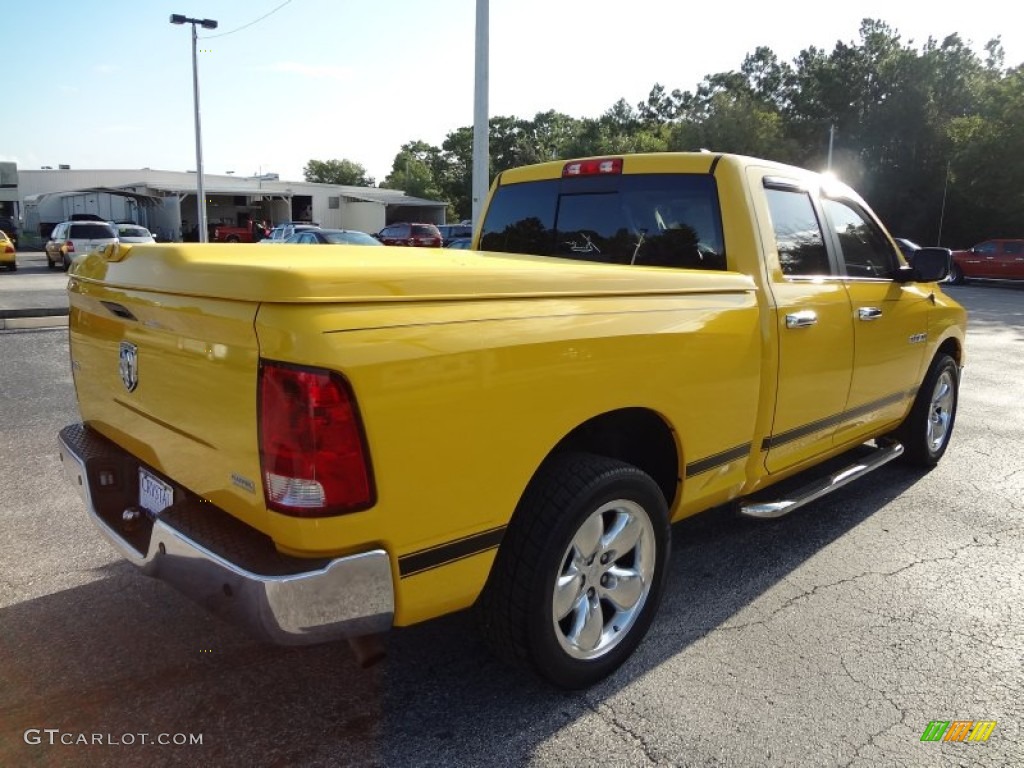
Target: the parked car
pixel 134 233
pixel 8 257
pixel 451 232
pixel 332 237
pixel 286 229
pixel 73 237
pixel 460 243
pixel 907 247
pixel 1001 259
pixel 417 235
pixel 8 227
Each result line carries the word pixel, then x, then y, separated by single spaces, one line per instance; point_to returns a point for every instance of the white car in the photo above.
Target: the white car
pixel 70 238
pixel 134 233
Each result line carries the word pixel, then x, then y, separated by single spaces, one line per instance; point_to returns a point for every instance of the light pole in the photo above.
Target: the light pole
pixel 481 128
pixel 942 213
pixel 177 18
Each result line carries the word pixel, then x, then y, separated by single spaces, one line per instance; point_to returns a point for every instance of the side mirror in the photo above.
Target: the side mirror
pixel 931 265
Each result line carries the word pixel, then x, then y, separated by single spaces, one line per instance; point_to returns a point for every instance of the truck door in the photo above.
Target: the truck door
pixel 813 325
pixel 1011 260
pixel 890 321
pixel 984 260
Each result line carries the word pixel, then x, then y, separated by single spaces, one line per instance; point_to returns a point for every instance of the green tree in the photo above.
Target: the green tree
pixel 901 117
pixel 345 172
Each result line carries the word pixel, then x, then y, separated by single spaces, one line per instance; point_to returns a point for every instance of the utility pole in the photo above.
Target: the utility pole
pixel 831 138
pixel 481 133
pixel 942 213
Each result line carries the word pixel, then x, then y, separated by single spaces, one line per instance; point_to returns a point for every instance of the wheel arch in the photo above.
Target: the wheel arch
pixel 637 436
pixel 953 348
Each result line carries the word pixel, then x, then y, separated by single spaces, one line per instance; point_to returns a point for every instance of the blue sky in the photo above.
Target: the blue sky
pixel 108 84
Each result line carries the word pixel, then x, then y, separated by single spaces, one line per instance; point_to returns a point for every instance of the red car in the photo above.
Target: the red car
pixel 992 260
pixel 420 235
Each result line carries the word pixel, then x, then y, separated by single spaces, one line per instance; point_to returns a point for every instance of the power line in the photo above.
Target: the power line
pixel 246 26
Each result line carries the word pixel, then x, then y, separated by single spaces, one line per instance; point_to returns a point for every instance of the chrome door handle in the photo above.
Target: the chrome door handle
pixel 869 313
pixel 801 319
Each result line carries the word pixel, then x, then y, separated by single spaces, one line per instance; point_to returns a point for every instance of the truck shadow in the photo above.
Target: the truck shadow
pixel 127 655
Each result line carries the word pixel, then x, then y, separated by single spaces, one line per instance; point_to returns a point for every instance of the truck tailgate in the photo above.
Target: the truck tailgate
pixel 172 379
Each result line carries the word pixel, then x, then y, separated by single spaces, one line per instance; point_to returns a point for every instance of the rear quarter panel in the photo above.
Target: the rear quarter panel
pixel 462 402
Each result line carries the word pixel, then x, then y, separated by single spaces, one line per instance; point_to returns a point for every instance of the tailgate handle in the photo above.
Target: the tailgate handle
pixel 120 310
pixel 801 319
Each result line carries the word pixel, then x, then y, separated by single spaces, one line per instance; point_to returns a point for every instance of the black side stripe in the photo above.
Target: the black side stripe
pixel 714 164
pixel 796 433
pixel 442 554
pixel 717 460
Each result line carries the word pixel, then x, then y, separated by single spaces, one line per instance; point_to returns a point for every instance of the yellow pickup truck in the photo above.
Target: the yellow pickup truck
pixel 329 442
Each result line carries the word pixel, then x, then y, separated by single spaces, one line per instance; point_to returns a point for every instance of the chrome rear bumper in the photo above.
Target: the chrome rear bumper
pixel 224 565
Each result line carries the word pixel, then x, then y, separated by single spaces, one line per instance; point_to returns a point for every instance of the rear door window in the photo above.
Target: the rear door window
pixel 798 235
pixel 667 220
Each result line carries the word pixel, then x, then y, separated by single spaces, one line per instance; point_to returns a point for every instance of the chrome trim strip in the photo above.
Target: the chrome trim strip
pixel 348 597
pixel 819 488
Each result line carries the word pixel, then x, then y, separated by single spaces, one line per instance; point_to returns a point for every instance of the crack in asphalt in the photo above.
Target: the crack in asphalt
pixel 870 742
pixel 849 580
pixel 613 720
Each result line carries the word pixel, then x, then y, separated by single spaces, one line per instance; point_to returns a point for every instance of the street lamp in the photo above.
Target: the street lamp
pixel 177 18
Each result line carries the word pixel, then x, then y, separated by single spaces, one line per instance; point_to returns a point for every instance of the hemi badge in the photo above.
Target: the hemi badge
pixel 918 338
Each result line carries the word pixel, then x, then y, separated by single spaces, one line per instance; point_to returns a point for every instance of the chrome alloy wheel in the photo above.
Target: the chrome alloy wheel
pixel 604 581
pixel 940 411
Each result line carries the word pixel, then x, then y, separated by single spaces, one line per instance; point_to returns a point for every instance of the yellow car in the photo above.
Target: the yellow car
pixel 7 254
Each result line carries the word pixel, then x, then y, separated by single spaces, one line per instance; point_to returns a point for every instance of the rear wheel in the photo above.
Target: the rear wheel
pixel 956 275
pixel 231 239
pixel 926 431
pixel 580 573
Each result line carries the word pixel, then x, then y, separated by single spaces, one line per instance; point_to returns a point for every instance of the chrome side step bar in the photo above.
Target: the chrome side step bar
pixel 815 490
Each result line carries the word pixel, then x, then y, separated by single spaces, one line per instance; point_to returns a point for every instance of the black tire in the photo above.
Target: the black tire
pixel 231 239
pixel 926 431
pixel 50 264
pixel 571 497
pixel 956 275
pixel 65 262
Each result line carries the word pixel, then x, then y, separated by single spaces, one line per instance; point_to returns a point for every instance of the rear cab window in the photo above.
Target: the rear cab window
pixel 665 220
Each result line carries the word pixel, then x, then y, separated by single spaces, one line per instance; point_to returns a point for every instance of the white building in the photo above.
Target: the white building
pixel 165 201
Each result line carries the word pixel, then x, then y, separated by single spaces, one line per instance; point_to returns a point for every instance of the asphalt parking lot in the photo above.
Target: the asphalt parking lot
pixel 831 637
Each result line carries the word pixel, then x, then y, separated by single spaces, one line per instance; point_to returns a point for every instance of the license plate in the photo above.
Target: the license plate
pixel 154 494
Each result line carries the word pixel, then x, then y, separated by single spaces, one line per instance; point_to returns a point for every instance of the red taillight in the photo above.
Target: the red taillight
pixel 69 247
pixel 8 249
pixel 593 167
pixel 312 450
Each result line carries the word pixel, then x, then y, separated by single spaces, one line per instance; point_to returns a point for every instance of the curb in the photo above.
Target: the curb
pixel 6 314
pixel 21 323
